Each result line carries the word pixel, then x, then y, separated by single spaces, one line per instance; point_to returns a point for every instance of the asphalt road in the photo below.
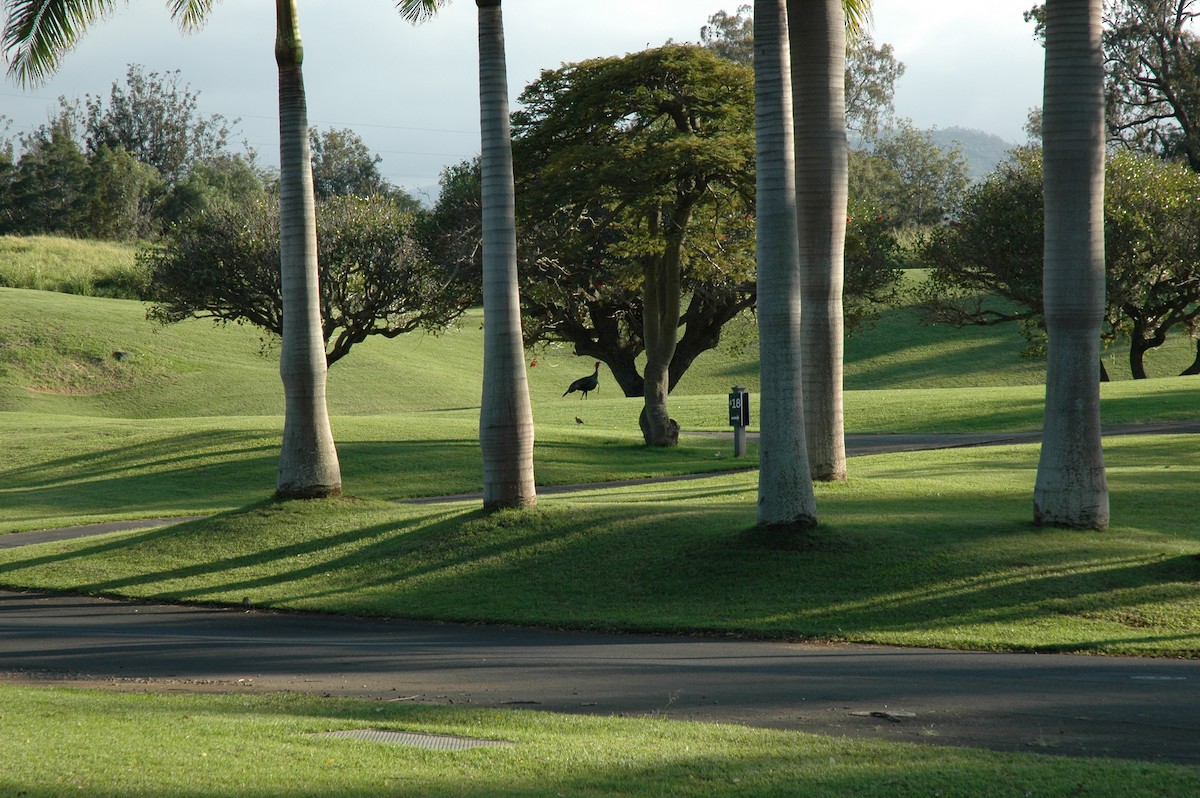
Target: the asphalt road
pixel 1092 706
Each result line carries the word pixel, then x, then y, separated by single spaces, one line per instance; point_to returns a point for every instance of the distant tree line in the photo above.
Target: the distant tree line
pixel 130 165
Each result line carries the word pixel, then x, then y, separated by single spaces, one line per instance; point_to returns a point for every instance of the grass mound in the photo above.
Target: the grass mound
pixel 931 549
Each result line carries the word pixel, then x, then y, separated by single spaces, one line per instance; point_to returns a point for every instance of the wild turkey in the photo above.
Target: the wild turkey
pixel 585 384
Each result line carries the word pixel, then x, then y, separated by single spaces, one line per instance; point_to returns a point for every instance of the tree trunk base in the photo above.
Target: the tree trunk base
pixel 669 436
pixel 1096 519
pixel 828 473
pixel 309 492
pixel 520 503
pixel 1195 367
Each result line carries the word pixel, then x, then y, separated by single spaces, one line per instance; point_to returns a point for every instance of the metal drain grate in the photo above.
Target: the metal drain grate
pixel 433 742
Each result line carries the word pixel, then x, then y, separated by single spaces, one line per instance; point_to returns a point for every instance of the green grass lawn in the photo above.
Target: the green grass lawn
pixel 61 742
pixel 58 356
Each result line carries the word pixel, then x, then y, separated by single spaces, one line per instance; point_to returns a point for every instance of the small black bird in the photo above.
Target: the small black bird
pixel 585 384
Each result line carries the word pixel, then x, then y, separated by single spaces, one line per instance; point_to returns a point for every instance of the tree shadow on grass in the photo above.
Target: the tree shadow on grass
pixel 168 452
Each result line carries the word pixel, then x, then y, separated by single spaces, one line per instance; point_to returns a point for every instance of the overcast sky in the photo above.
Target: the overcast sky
pixel 411 92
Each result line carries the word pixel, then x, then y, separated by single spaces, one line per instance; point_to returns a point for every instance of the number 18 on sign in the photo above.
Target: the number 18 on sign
pixel 739 418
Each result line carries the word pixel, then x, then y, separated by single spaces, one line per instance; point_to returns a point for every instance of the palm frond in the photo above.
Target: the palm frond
pixel 190 14
pixel 37 33
pixel 418 11
pixel 858 19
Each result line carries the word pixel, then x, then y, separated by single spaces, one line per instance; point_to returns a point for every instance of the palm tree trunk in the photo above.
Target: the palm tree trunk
pixel 308 461
pixel 1071 487
pixel 818 54
pixel 785 489
pixel 505 417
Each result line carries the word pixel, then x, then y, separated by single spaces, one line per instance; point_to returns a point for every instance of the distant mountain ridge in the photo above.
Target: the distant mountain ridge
pixel 982 151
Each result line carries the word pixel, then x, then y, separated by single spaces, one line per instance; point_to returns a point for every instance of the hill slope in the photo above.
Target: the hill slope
pixel 982 151
pixel 100 357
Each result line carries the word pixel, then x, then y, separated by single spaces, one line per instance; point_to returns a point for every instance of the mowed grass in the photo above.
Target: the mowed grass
pixel 932 549
pixel 61 742
pixel 70 356
pixel 73 355
pixel 62 471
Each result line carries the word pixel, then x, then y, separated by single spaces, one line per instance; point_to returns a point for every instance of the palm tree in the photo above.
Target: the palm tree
pixel 785 488
pixel 308 462
pixel 1071 487
pixel 506 416
pixel 817 36
pixel 37 35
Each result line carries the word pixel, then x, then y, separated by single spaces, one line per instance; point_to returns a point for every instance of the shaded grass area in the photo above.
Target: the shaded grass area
pixel 64 470
pixel 61 471
pixel 932 549
pixel 61 742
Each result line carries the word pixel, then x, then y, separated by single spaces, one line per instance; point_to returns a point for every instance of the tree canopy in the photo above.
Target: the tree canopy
pixel 1152 84
pixel 987 266
pixel 630 167
pixel 375 280
pixel 156 120
pixel 128 166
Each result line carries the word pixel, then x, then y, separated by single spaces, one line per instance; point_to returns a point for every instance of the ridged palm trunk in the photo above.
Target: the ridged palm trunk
pixel 785 489
pixel 308 461
pixel 818 55
pixel 505 417
pixel 1071 488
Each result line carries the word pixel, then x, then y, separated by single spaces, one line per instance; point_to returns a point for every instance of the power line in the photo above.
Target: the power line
pixel 380 125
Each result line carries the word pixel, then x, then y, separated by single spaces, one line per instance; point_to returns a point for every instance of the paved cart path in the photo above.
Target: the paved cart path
pixel 1096 706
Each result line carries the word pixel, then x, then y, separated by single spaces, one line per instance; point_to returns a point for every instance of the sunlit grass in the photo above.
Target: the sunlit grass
pixel 60 742
pixel 69 265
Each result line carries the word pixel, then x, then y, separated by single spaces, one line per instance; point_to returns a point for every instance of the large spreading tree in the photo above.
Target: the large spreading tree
pixel 223 264
pixel 642 166
pixel 987 267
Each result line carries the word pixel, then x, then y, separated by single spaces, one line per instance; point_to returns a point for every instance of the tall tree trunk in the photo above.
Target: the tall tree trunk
pixel 1140 343
pixel 1071 487
pixel 818 55
pixel 661 289
pixel 505 416
pixel 308 462
pixel 785 488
